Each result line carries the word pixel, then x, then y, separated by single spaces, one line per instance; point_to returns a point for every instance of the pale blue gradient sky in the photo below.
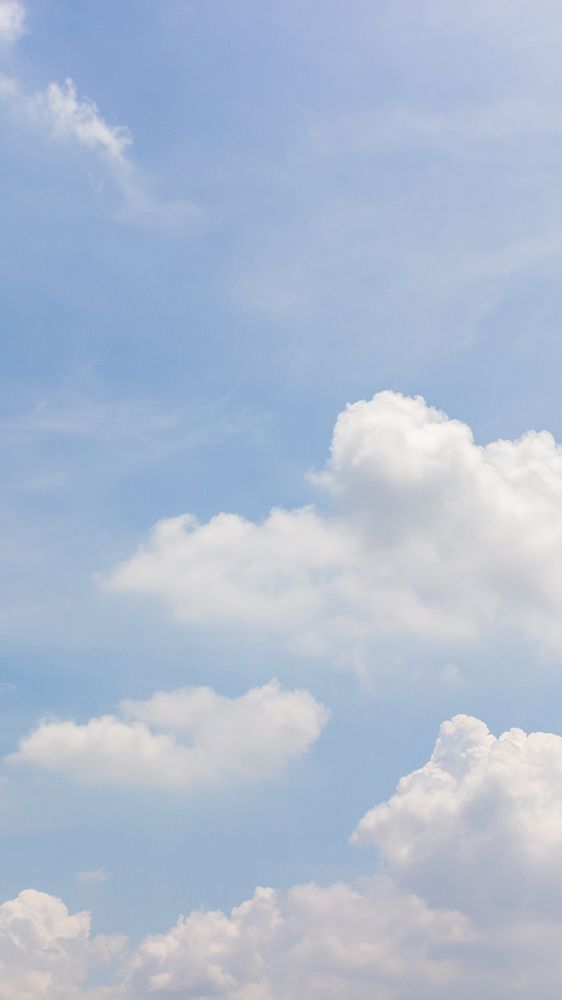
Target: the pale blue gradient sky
pixel 376 204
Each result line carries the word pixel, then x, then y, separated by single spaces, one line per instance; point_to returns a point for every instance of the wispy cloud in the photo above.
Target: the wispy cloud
pixel 12 21
pixel 98 875
pixel 79 118
pixel 66 115
pixel 372 131
pixel 63 115
pixel 47 442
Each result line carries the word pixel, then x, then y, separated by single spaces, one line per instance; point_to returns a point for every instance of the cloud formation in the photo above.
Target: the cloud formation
pixel 45 952
pixel 427 534
pixel 58 107
pixel 334 943
pixel 467 902
pixel 480 825
pixel 12 21
pixel 181 739
pixel 63 114
pixel 79 118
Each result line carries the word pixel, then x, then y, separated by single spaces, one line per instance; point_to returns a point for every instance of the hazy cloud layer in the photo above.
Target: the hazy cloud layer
pixel 181 739
pixel 428 535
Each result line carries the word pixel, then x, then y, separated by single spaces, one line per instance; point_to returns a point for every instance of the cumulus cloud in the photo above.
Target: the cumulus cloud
pixel 45 952
pixel 480 825
pixel 331 943
pixel 181 739
pixel 467 902
pixel 423 533
pixel 12 21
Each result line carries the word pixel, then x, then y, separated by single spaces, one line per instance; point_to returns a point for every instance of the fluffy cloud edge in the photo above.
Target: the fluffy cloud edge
pixel 181 740
pixel 427 535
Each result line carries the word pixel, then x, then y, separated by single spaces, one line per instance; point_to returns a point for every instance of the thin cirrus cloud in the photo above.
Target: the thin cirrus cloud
pixel 64 115
pixel 181 740
pixel 59 107
pixel 79 118
pixel 464 903
pixel 427 534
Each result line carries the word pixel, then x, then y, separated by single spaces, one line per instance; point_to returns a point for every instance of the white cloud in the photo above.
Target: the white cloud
pixel 12 21
pixel 60 108
pixel 59 111
pixel 468 902
pixel 284 574
pixel 181 739
pixel 60 114
pixel 428 535
pixel 45 952
pixel 79 118
pixel 481 824
pixel 337 942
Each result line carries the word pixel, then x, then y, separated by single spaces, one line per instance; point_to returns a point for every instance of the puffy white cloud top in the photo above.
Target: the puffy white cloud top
pixel 45 952
pixel 181 739
pixel 428 535
pixel 334 943
pixel 478 826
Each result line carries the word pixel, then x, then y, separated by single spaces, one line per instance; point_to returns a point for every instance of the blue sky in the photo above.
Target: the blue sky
pixel 231 223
